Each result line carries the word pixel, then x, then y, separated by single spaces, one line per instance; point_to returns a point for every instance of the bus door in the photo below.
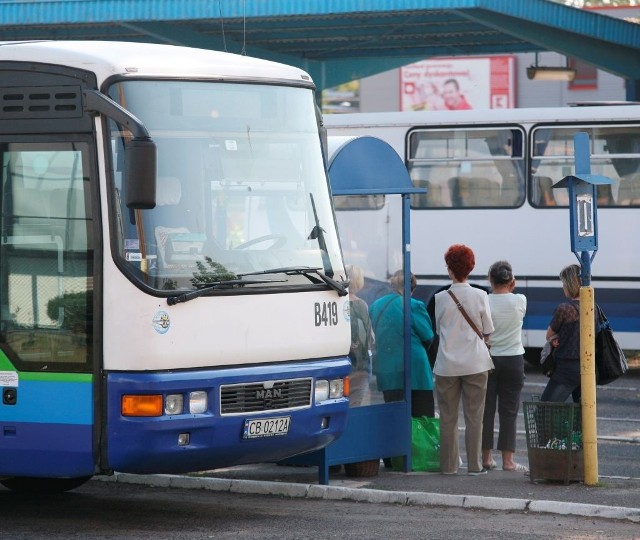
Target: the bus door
pixel 46 307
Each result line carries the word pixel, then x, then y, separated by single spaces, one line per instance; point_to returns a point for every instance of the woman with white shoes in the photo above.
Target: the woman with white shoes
pixel 506 381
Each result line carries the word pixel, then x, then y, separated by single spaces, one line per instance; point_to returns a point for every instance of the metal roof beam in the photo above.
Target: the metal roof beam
pixel 180 35
pixel 552 15
pixel 170 34
pixel 347 49
pixel 617 59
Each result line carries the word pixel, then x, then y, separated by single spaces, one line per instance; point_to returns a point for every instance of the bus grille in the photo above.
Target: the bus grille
pixel 254 397
pixel 41 102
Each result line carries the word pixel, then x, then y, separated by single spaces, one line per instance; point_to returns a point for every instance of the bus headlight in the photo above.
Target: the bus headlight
pixel 333 389
pixel 336 388
pixel 173 404
pixel 198 402
pixel 322 390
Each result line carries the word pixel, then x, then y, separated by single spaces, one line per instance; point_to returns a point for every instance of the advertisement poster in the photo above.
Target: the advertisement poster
pixel 458 83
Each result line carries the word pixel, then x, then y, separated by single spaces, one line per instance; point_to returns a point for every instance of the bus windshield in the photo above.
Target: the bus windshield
pixel 241 185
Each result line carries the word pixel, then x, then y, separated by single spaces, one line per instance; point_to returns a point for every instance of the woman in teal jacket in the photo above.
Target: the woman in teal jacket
pixel 386 315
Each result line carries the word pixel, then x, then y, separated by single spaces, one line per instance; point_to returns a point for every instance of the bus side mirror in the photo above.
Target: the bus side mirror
pixel 140 173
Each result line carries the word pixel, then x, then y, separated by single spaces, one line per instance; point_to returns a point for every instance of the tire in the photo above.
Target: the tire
pixel 26 484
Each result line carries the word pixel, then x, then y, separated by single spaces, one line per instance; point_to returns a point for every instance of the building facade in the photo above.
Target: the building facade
pixel 387 91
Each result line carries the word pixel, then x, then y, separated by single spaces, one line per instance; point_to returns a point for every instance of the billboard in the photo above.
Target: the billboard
pixel 457 83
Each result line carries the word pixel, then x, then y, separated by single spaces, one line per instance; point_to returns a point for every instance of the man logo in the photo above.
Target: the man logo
pixel 269 394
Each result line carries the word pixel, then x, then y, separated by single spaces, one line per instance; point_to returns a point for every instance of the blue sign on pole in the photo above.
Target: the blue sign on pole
pixel 583 204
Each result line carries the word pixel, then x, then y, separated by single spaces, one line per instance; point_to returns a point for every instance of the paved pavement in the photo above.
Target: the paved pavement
pixel 612 498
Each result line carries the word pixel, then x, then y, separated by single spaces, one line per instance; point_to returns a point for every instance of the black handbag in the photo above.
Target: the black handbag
pixel 610 361
pixel 547 359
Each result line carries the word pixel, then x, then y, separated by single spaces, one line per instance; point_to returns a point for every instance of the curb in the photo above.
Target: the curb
pixel 411 498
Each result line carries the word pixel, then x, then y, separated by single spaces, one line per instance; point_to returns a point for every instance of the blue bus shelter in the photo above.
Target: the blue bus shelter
pixel 363 167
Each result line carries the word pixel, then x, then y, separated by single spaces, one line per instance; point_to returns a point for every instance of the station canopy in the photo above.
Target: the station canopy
pixel 337 41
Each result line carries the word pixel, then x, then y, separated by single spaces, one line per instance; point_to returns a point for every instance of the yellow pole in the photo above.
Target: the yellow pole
pixel 588 385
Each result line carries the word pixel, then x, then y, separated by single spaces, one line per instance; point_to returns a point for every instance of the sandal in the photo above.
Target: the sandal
pixel 518 468
pixel 490 466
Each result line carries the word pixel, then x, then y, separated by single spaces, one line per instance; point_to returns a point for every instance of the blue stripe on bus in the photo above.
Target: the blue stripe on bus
pixel 621 306
pixel 48 450
pixel 51 402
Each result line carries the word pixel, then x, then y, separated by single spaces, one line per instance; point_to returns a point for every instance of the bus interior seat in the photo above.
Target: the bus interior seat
pixel 510 192
pixel 474 191
pixel 168 191
pixel 629 190
pixel 605 196
pixel 431 199
pixel 544 191
pixel 168 197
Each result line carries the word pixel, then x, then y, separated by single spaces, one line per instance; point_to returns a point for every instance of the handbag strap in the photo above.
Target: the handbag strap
pixel 466 316
pixel 603 322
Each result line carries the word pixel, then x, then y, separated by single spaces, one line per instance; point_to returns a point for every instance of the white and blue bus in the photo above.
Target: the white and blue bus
pixel 172 289
pixel 489 178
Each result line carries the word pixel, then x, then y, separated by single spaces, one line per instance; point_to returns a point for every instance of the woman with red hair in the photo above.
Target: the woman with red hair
pixel 463 361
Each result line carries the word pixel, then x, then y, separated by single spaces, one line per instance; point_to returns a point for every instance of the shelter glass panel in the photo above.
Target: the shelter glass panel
pixel 372 246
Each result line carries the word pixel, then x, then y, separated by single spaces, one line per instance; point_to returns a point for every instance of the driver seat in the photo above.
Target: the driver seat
pixel 168 196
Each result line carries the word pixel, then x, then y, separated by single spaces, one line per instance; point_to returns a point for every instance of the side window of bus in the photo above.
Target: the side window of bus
pixel 467 167
pixel 46 276
pixel 624 144
pixel 614 153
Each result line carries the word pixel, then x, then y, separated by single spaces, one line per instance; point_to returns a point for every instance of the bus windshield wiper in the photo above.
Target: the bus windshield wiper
pixel 317 233
pixel 223 284
pixel 307 271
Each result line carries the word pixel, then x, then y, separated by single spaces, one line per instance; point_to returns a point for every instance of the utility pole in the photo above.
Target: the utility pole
pixel 583 218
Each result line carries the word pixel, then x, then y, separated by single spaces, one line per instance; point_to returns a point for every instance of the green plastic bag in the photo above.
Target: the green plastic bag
pixel 425 445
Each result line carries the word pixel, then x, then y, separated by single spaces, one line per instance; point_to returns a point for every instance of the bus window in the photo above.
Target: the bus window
pixel 239 186
pixel 46 277
pixel 615 153
pixel 467 167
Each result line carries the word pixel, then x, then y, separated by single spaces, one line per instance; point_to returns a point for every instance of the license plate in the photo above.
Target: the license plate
pixel 266 427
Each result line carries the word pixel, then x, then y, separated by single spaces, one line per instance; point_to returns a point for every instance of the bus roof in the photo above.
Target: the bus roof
pixel 532 115
pixel 108 58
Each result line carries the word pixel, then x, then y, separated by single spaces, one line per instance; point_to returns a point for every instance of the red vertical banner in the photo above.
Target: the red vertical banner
pixel 501 82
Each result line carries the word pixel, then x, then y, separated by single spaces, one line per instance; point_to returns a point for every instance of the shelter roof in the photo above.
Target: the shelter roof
pixel 338 40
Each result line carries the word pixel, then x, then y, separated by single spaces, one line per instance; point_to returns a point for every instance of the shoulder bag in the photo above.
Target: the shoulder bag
pixel 610 361
pixel 547 357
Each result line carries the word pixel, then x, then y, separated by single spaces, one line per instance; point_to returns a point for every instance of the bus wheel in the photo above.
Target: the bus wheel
pixel 25 484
